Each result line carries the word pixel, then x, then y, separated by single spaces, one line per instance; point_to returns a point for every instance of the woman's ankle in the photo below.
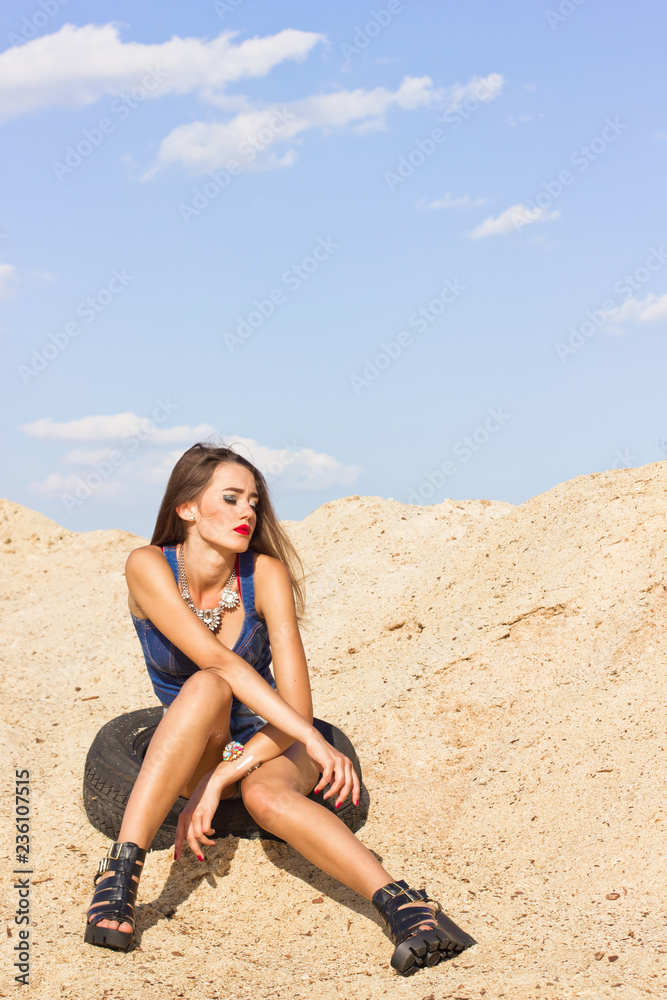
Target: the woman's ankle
pixel 139 839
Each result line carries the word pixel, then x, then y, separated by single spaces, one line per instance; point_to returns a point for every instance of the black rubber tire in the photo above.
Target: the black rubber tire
pixel 116 755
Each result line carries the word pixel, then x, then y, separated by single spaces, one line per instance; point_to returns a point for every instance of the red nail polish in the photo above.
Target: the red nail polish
pixel 200 857
pixel 338 805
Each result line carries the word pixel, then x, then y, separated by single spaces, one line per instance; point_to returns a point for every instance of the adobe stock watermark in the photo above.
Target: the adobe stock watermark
pixel 87 310
pixel 565 9
pixel 423 149
pixel 581 158
pixel 624 460
pixel 277 465
pixel 291 279
pixel 364 33
pixel 92 138
pixel 247 152
pixel 31 26
pixel 462 451
pixel 419 320
pixel 224 7
pixel 598 318
pixel 104 470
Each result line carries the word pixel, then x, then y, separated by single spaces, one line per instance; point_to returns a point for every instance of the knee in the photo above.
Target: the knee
pixel 209 686
pixel 267 805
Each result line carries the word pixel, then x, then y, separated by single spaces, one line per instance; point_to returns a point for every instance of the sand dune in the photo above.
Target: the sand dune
pixel 501 673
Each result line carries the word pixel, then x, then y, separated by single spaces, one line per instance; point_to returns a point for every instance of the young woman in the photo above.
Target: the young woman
pixel 213 602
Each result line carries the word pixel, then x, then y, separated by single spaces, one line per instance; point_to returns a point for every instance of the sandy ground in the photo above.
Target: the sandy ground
pixel 501 672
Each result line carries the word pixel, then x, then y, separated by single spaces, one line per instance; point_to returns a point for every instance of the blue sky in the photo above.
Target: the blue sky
pixel 410 250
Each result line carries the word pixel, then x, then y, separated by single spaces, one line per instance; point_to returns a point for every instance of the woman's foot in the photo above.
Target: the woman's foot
pixel 125 928
pixel 110 918
pixel 427 924
pixel 423 935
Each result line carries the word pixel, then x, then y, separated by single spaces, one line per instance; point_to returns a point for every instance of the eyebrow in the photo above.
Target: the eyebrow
pixel 235 489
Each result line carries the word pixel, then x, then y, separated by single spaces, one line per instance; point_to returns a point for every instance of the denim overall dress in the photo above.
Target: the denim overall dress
pixel 169 668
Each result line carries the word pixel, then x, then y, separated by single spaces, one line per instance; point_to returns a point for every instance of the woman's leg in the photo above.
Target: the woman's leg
pixel 275 796
pixel 186 744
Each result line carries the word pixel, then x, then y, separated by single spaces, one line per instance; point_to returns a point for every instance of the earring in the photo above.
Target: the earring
pixel 192 517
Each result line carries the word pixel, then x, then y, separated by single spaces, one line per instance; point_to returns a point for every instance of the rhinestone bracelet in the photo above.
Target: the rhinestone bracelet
pixel 233 750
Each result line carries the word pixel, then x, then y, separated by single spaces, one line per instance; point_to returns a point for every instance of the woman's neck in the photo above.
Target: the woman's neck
pixel 207 568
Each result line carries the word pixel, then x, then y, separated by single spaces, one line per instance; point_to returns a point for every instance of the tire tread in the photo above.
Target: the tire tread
pixel 114 760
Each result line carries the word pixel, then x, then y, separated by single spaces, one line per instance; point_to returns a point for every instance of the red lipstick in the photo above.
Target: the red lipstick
pixel 242 529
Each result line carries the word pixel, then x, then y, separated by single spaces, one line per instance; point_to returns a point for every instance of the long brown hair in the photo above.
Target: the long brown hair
pixel 188 480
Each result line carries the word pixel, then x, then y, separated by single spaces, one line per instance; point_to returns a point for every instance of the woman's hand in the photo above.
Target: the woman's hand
pixel 194 823
pixel 337 770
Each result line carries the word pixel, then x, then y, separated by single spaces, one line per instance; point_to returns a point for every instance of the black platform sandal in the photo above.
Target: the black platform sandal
pixel 114 899
pixel 417 948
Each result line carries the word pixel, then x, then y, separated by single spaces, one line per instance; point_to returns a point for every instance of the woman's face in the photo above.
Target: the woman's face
pixel 228 503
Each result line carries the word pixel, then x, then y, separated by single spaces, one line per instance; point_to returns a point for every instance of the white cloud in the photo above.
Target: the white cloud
pixel 87 456
pixel 292 467
pixel 512 219
pixel 115 428
pixel 8 278
pixel 246 138
pixel 104 480
pixel 101 481
pixel 449 201
pixel 296 468
pixel 155 468
pixel 482 88
pixel 316 471
pixel 101 489
pixel 77 66
pixel 652 310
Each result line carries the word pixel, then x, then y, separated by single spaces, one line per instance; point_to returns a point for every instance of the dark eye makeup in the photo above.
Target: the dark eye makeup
pixel 229 498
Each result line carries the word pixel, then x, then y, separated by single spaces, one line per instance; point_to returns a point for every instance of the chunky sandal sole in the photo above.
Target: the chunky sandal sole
pixel 428 948
pixel 108 937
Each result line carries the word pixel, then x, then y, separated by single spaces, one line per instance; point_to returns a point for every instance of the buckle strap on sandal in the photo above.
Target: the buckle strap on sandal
pixel 390 897
pixel 122 857
pixel 391 891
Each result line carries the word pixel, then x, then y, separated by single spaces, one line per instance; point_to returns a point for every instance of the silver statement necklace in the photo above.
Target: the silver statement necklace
pixel 229 599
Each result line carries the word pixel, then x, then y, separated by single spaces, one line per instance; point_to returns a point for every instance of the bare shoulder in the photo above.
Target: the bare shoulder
pixel 272 583
pixel 144 566
pixel 144 557
pixel 265 565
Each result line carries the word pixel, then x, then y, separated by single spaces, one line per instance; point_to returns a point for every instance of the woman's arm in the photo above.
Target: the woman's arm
pixel 274 601
pixel 153 587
